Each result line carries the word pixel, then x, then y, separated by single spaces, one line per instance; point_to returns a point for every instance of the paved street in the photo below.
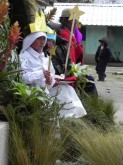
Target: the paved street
pixel 112 88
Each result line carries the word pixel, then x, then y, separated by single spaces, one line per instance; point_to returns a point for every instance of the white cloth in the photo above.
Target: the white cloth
pixel 33 64
pixel 73 106
pixel 30 39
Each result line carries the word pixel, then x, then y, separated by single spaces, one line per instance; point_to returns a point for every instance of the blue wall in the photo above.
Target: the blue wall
pixel 115 38
pixel 93 34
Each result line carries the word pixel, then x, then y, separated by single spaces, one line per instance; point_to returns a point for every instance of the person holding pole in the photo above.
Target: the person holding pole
pixel 67 32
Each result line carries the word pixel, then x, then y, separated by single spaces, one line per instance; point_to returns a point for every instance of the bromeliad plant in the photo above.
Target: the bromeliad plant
pixel 9 35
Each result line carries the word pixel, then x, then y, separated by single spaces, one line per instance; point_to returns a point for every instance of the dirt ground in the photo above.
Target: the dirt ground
pixel 111 88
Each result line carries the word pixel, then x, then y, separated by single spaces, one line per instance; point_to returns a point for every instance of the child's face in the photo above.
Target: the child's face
pixel 39 44
pixel 102 43
pixel 50 43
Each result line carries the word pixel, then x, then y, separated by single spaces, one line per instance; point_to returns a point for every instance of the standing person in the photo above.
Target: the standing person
pixel 76 50
pixel 35 65
pixel 102 57
pixel 63 30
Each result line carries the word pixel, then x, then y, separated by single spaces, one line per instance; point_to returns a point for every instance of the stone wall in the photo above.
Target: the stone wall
pixel 3 143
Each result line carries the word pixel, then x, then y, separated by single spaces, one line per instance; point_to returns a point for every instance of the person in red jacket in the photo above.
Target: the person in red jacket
pixel 76 50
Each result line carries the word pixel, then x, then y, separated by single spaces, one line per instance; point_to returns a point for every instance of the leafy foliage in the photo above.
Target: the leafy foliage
pixel 9 35
pixel 30 93
pixel 33 120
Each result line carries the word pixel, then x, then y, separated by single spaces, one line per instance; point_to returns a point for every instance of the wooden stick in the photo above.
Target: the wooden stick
pixel 49 63
pixel 69 45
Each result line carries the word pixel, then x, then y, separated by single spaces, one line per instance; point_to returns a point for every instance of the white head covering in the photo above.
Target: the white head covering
pixel 30 39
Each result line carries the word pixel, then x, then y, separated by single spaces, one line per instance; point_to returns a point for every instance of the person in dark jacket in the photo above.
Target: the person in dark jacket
pixel 59 59
pixel 102 57
pixel 61 51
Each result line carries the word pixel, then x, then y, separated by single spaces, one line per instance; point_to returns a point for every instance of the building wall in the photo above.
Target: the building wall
pixel 115 37
pixel 93 34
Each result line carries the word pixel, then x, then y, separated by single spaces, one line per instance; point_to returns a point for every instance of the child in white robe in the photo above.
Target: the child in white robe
pixel 35 66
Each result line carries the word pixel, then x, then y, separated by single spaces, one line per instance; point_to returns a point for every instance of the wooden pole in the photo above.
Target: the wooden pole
pixel 69 45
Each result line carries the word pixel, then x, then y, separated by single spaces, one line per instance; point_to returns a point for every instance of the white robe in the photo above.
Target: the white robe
pixel 73 106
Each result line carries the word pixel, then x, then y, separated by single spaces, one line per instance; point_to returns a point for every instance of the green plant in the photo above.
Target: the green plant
pixel 33 140
pixel 29 93
pixel 4 75
pixel 96 146
pixel 100 112
pixel 9 35
pixel 33 121
pixel 83 83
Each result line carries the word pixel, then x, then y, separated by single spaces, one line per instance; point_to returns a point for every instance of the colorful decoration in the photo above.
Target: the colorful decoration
pixel 75 11
pixel 50 31
pixel 39 24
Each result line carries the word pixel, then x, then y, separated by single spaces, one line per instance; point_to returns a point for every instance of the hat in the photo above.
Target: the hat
pixel 51 34
pixel 65 13
pixel 104 39
pixel 39 25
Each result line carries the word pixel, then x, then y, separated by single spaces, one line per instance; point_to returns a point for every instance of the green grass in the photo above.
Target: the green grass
pixel 100 111
pixel 96 146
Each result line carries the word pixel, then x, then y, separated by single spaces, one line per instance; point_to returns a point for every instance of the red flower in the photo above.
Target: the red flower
pixel 4 7
pixel 14 34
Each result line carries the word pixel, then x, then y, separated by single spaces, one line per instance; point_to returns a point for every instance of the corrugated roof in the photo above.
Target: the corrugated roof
pixel 95 14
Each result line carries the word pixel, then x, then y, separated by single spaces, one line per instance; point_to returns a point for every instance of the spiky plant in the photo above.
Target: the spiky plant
pixel 100 111
pixel 96 146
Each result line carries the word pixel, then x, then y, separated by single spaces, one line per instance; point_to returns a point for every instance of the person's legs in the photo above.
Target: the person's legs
pixel 101 71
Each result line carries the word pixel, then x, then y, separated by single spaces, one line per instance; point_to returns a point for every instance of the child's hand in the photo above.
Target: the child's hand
pixel 48 77
pixel 56 82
